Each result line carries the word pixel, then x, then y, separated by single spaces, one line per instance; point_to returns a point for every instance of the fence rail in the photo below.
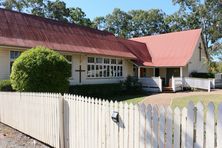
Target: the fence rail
pixel 88 123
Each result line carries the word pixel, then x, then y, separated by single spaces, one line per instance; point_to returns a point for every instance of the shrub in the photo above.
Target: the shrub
pixel 40 70
pixel 202 75
pixel 5 85
pixel 96 90
pixel 131 85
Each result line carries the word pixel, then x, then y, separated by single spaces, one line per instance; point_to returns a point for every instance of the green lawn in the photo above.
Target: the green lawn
pixel 205 99
pixel 128 98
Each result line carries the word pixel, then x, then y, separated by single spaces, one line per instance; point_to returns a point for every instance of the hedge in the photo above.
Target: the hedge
pixel 5 85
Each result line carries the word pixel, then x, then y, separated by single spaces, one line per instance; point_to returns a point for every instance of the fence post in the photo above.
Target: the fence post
pixel 173 84
pixel 160 84
pixel 61 121
pixel 209 84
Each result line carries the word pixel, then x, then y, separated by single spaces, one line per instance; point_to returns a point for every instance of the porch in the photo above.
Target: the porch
pixel 171 80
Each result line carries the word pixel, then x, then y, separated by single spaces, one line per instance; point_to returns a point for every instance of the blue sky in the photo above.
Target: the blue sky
pixel 94 8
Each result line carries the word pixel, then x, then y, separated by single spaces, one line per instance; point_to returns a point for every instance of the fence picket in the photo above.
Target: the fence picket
pixel 142 137
pixel 121 125
pixel 131 126
pixel 177 121
pixel 126 126
pixel 184 127
pixel 199 126
pixel 169 127
pixel 149 126
pixel 162 127
pixel 219 126
pixel 155 126
pixel 190 125
pixel 137 137
pixel 116 135
pixel 210 126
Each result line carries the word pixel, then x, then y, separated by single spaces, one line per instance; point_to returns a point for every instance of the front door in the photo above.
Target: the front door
pixel 172 72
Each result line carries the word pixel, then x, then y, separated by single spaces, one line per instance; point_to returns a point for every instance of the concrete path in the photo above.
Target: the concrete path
pixel 166 98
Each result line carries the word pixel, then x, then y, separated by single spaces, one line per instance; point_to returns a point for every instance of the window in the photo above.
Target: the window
pixel 104 67
pixel 69 60
pixel 13 56
pixel 157 72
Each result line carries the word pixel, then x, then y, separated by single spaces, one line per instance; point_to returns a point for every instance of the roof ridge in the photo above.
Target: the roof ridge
pixel 163 34
pixel 58 22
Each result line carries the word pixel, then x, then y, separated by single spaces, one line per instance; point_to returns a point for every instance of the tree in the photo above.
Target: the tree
pixel 57 10
pixel 206 15
pixel 118 22
pixel 40 70
pixel 147 22
pixel 38 7
pixel 77 16
pixel 17 5
pixel 133 23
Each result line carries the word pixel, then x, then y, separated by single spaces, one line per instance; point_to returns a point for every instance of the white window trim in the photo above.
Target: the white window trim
pixel 105 64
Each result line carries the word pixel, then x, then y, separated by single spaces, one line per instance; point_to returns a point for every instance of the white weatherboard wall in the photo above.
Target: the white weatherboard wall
pixel 4 64
pixel 78 59
pixel 86 122
pixel 195 65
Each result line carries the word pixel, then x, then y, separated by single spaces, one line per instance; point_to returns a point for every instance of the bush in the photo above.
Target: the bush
pixel 132 85
pixel 96 90
pixel 40 70
pixel 5 85
pixel 202 75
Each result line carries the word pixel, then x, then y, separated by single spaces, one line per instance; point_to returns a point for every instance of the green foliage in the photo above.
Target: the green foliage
pixel 202 75
pixel 96 90
pixel 147 22
pixel 77 16
pixel 131 85
pixel 40 70
pixel 57 10
pixel 133 23
pixel 5 85
pixel 206 15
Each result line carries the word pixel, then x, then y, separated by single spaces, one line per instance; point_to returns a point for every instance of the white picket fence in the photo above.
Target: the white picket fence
pixel 35 114
pixel 179 83
pixel 88 123
pixel 153 84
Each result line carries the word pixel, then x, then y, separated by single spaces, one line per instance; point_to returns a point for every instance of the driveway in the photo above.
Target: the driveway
pixel 166 98
pixel 11 138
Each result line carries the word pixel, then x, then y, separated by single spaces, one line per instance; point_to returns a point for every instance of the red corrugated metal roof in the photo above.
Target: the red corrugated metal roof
pixel 139 50
pixel 24 30
pixel 171 49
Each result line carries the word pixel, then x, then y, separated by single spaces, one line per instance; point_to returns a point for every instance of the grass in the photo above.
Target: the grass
pixel 205 99
pixel 130 98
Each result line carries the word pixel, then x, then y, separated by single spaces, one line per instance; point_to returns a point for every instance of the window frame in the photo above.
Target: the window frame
pixel 104 69
pixel 12 60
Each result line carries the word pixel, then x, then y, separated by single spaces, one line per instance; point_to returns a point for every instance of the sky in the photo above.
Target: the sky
pixel 94 8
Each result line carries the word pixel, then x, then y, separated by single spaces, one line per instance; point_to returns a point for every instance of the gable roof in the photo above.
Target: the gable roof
pixel 171 49
pixel 165 50
pixel 24 30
